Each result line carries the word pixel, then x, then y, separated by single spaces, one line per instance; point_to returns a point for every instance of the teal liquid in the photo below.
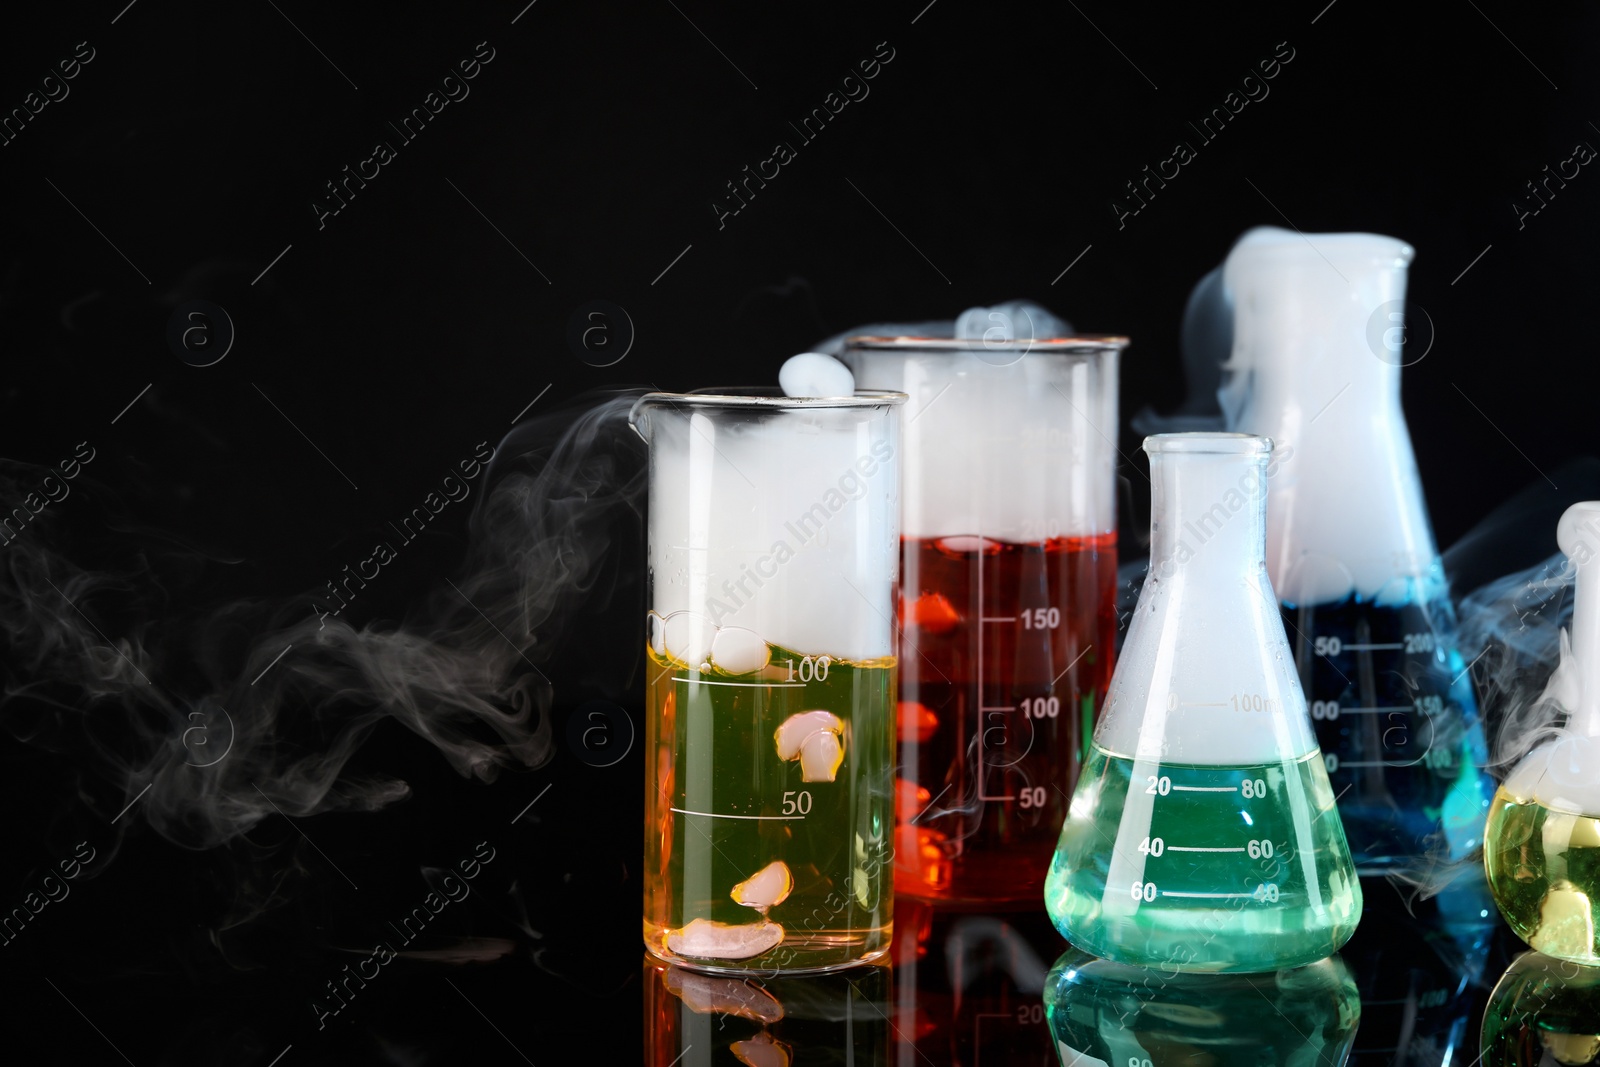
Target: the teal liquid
pixel 1204 868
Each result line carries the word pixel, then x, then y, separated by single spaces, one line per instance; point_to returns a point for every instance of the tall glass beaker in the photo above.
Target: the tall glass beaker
pixel 1008 604
pixel 1202 834
pixel 769 739
pixel 1318 343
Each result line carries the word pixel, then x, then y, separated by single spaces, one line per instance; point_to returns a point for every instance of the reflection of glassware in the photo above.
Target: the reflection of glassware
pixel 1542 841
pixel 701 1020
pixel 1419 967
pixel 967 986
pixel 770 731
pixel 1104 1013
pixel 1543 1012
pixel 1318 342
pixel 1203 834
pixel 1008 605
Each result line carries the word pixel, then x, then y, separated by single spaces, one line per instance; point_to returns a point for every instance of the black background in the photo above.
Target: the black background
pixel 409 327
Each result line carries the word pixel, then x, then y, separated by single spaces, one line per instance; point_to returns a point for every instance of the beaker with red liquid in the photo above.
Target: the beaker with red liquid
pixel 1007 601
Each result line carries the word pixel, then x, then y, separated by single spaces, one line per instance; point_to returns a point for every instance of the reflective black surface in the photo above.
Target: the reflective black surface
pixel 977 988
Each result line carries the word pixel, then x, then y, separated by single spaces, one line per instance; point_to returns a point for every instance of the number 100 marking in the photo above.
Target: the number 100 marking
pixel 811 670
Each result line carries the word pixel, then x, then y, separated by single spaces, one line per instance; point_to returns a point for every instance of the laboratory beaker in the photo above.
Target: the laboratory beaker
pixel 1007 597
pixel 1541 844
pixel 1202 834
pixel 1102 1012
pixel 1319 338
pixel 711 1020
pixel 1544 1012
pixel 769 738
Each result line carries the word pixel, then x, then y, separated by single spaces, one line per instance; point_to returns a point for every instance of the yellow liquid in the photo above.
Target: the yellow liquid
pixel 1544 871
pixel 723 805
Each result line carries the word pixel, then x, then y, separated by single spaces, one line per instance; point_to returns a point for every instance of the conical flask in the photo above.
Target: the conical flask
pixel 1102 1012
pixel 1202 834
pixel 1541 845
pixel 1318 343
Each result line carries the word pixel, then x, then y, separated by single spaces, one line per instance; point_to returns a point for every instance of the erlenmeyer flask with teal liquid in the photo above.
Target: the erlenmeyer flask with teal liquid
pixel 1319 338
pixel 1202 834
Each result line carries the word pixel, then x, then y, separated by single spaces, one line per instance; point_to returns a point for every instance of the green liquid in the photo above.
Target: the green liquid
pixel 1241 868
pixel 1113 1013
pixel 721 805
pixel 1543 1012
pixel 1544 871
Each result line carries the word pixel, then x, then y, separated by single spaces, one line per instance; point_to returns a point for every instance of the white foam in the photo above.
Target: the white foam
pixel 1346 512
pixel 1206 644
pixel 783 523
pixel 815 374
pixel 1012 442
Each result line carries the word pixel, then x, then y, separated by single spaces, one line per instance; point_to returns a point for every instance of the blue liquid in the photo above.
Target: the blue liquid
pixel 1391 699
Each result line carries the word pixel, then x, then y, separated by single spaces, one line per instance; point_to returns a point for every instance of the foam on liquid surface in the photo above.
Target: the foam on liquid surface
pixel 1003 443
pixel 781 530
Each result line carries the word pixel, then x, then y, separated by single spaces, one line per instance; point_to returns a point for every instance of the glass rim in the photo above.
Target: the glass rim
pixel 769 397
pixel 1086 344
pixel 1208 442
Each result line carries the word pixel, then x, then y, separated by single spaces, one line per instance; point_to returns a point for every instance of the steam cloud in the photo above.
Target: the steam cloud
pixel 140 703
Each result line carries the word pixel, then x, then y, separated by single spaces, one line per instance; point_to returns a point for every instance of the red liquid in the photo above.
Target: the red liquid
pixel 995 715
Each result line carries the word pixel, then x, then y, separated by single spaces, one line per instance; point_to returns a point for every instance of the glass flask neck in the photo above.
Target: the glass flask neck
pixel 1578 535
pixel 1208 511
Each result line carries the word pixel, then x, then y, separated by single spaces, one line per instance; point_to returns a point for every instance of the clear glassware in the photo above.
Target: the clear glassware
pixel 1008 596
pixel 1102 1012
pixel 712 1020
pixel 1319 339
pixel 1203 834
pixel 769 739
pixel 1542 840
pixel 1544 1012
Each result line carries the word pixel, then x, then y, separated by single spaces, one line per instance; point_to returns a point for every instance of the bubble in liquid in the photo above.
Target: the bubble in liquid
pixel 706 995
pixel 931 612
pixel 820 756
pixel 658 633
pixel 739 651
pixel 770 885
pixel 705 939
pixel 797 727
pixel 761 1051
pixel 687 636
pixel 815 374
pixel 917 723
pixel 1566 922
